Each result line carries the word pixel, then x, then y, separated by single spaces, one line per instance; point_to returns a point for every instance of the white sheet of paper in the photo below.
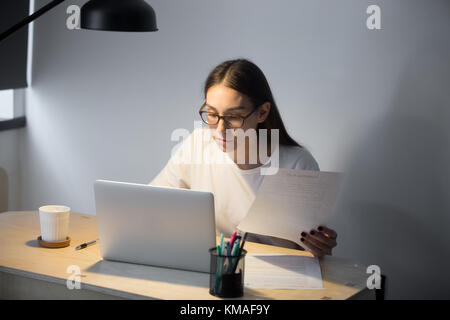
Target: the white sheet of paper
pixel 281 271
pixel 292 201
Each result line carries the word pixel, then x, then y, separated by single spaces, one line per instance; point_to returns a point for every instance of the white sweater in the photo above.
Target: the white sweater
pixel 200 164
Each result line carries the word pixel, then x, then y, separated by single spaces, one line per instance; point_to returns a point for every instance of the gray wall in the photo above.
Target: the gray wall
pixel 394 210
pixel 103 105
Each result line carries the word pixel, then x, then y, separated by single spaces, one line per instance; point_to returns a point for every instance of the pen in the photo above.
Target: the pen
pixel 228 254
pixel 218 269
pixel 235 247
pixel 221 242
pixel 86 244
pixel 224 253
pixel 240 252
pixel 233 237
pixel 234 252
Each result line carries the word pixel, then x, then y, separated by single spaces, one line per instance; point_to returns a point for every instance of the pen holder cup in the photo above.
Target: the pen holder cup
pixel 226 276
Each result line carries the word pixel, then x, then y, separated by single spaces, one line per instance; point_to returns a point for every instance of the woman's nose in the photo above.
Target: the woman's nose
pixel 221 126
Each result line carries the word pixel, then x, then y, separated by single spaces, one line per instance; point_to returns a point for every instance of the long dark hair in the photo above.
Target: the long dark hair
pixel 247 78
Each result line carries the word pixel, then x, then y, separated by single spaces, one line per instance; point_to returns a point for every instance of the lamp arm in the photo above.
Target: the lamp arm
pixel 30 18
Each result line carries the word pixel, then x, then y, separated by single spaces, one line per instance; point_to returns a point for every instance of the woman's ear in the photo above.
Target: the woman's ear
pixel 263 111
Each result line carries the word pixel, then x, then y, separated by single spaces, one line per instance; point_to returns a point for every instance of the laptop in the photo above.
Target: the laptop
pixel 158 226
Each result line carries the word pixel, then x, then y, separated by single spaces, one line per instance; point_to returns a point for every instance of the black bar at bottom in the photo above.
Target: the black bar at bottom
pixel 15 123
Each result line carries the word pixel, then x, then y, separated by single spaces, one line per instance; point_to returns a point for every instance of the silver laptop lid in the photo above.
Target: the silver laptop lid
pixel 158 226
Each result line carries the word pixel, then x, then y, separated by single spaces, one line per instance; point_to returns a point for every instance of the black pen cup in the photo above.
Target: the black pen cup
pixel 226 277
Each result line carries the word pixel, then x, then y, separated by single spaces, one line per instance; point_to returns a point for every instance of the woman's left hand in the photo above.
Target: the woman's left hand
pixel 319 241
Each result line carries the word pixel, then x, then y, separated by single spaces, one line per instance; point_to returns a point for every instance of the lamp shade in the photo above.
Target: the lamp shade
pixel 118 15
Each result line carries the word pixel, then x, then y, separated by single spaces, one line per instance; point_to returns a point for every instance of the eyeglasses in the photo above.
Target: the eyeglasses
pixel 211 118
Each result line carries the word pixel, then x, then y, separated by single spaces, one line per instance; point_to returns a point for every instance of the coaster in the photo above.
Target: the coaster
pixel 54 244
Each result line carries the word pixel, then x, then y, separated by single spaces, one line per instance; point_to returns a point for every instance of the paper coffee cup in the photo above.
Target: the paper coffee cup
pixel 54 221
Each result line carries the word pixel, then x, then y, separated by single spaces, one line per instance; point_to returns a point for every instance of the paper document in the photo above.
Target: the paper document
pixel 281 271
pixel 292 201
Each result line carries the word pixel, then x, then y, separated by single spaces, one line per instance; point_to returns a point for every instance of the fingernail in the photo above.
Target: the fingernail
pixel 320 228
pixel 302 239
pixel 312 232
pixel 303 234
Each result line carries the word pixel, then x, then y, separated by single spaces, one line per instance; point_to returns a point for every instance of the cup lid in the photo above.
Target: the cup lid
pixel 54 208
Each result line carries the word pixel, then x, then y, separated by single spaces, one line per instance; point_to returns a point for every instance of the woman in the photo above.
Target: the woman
pixel 238 99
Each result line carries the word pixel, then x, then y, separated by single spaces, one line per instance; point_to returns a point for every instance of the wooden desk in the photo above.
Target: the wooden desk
pixel 28 271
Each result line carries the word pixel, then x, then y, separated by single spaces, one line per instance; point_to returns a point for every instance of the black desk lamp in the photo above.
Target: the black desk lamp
pixel 108 15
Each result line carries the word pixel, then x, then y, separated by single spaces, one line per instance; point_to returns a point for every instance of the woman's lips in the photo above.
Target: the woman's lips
pixel 222 141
